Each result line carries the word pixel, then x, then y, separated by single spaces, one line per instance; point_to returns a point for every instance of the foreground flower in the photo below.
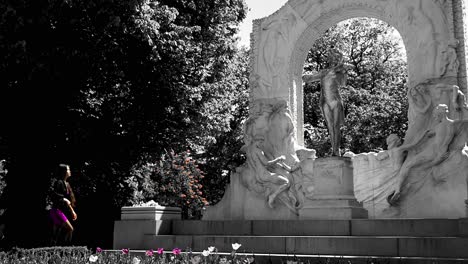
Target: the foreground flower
pixel 223 260
pixel 160 251
pixel 205 253
pixel 149 253
pixel 93 258
pixel 98 250
pixel 250 260
pixel 176 251
pixel 195 260
pixel 136 260
pixel 125 251
pixel 211 249
pixel 236 246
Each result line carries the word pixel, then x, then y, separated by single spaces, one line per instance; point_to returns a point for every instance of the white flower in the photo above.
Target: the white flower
pixel 136 260
pixel 195 260
pixel 93 258
pixel 147 204
pixel 211 249
pixel 236 246
pixel 206 253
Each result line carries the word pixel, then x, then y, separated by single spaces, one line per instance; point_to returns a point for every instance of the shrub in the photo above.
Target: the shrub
pixel 171 180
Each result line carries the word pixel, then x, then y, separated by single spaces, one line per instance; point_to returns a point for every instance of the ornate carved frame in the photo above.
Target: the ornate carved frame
pixel 420 22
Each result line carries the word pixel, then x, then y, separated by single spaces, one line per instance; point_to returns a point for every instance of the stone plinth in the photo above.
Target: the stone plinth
pixel 150 213
pixel 139 221
pixel 333 196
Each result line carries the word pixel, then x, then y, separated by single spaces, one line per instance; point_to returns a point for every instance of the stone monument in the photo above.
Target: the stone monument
pixel 425 176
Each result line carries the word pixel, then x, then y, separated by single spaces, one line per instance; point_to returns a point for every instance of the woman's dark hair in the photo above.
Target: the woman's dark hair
pixel 61 173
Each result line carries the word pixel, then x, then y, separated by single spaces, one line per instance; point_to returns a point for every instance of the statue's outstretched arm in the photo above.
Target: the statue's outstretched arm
pixel 308 78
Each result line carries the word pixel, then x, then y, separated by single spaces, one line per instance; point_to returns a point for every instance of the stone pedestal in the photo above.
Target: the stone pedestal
pixel 150 213
pixel 140 221
pixel 333 196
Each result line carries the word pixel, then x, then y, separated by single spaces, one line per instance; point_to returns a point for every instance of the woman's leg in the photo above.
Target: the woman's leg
pixel 66 232
pixel 55 233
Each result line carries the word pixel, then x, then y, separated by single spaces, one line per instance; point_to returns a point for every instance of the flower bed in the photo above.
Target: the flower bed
pixel 75 255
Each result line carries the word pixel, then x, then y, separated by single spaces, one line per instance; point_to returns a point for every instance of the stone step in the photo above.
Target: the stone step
pixel 384 246
pixel 374 227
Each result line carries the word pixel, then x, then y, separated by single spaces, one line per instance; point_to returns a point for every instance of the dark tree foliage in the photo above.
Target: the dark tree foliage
pixel 375 97
pixel 103 85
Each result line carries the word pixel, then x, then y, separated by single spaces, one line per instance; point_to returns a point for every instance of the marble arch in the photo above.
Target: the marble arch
pixel 280 43
pixel 281 179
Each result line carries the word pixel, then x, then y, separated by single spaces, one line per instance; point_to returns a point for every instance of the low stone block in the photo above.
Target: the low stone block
pixel 130 233
pixel 150 213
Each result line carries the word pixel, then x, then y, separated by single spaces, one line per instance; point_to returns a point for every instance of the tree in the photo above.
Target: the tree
pixel 223 155
pixel 375 97
pixel 104 85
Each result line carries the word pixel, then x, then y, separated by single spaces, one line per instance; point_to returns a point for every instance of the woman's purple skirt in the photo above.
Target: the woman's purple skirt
pixel 57 216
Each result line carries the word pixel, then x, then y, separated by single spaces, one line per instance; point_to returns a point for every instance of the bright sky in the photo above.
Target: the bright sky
pixel 257 9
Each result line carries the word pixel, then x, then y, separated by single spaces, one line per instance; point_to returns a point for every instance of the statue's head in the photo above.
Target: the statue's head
pixel 335 57
pixel 393 140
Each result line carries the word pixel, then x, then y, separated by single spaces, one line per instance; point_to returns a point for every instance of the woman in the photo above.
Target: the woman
pixel 62 202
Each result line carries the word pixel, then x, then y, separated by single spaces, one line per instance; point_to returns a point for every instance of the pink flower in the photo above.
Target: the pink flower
pixel 149 253
pixel 176 251
pixel 125 251
pixel 98 250
pixel 160 251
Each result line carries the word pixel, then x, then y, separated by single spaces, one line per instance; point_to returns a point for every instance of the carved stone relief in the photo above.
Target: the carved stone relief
pixel 275 38
pixel 428 168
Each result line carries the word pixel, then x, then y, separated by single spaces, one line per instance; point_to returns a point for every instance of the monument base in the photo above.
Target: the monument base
pixel 333 196
pixel 332 209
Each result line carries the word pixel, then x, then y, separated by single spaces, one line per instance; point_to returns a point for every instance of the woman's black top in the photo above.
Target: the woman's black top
pixel 60 189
